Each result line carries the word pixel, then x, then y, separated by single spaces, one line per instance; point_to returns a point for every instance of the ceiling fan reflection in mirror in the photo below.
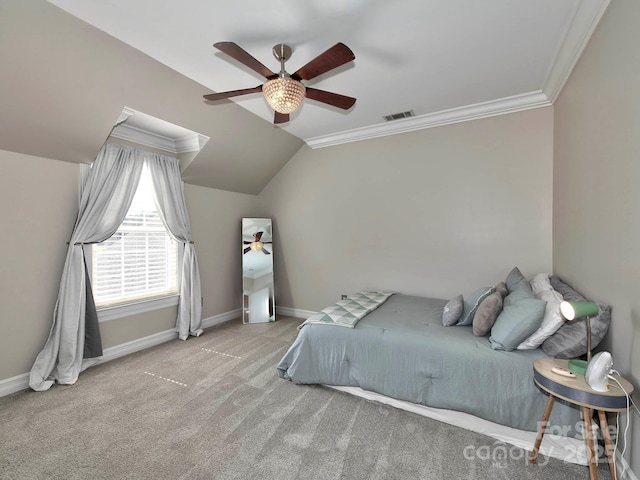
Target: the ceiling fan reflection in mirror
pixel 285 92
pixel 256 245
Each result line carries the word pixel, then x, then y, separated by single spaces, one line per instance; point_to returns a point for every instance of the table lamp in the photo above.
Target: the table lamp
pixel 573 311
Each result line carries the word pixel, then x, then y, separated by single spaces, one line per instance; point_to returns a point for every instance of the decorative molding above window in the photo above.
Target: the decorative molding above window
pixel 143 129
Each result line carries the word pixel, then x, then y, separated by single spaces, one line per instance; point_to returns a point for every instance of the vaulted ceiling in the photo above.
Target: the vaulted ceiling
pixel 71 68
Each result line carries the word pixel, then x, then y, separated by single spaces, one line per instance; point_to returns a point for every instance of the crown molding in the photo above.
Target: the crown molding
pixel 191 143
pixel 144 137
pixel 501 106
pixel 126 113
pixel 585 17
pixel 181 140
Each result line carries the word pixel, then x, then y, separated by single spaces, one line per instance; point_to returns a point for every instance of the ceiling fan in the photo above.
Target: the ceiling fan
pixel 256 245
pixel 285 92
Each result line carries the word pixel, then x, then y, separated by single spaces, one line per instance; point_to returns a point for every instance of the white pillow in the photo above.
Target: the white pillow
pixel 540 282
pixel 551 321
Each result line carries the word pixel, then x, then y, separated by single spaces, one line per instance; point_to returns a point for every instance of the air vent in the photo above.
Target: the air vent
pixel 398 116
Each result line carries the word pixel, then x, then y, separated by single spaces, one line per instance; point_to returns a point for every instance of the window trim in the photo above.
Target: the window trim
pixel 106 314
pixel 136 307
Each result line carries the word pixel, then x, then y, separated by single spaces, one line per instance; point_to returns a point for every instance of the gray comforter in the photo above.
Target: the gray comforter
pixel 401 350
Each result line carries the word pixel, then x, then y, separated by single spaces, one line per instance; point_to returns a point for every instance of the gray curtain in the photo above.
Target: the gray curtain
pixel 169 197
pixel 105 200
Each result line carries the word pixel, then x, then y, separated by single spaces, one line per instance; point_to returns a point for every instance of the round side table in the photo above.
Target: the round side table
pixel 576 391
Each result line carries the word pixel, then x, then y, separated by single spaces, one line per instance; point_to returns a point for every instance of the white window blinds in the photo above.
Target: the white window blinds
pixel 140 261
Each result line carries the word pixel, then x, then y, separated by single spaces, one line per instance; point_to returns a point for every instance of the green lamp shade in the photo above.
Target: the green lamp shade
pixel 573 310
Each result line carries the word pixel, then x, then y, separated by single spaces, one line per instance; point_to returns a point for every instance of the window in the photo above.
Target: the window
pixel 140 261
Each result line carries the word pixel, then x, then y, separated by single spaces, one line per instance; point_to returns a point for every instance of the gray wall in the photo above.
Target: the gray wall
pixel 65 83
pixel 216 217
pixel 39 202
pixel 596 240
pixel 435 212
pixel 39 205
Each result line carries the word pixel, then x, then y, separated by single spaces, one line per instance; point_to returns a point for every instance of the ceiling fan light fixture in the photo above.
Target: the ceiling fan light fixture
pixel 284 94
pixel 256 246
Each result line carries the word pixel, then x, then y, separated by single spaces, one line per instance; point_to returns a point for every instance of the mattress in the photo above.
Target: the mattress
pixel 403 351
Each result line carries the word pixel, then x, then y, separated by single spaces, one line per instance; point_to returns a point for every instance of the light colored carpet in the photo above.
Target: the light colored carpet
pixel 213 407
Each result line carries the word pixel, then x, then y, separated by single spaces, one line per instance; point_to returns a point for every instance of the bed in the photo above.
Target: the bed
pixel 401 354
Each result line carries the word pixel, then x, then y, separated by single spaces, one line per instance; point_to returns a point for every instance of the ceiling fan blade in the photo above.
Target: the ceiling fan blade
pixel 246 243
pixel 266 252
pixel 337 55
pixel 246 250
pixel 258 236
pixel 335 99
pixel 280 117
pixel 238 53
pixel 212 97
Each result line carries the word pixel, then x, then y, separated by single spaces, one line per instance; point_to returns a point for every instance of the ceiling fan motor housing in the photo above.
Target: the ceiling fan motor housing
pixel 282 52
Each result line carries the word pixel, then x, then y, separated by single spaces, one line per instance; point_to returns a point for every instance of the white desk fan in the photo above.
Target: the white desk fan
pixel 598 371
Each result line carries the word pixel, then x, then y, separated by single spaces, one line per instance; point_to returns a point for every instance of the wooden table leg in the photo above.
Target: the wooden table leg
pixel 543 426
pixel 608 445
pixel 589 438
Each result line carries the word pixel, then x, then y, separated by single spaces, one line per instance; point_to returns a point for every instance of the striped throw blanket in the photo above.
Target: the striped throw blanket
pixel 349 311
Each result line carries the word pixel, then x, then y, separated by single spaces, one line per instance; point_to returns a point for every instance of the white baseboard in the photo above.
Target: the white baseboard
pixel 21 382
pixel 294 312
pixel 136 345
pixel 14 384
pixel 221 318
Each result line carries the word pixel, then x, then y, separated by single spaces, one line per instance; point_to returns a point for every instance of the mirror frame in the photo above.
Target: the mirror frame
pixel 257 271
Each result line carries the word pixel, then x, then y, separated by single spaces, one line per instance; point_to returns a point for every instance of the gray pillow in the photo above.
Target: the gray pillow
pixel 516 279
pixel 471 304
pixel 501 288
pixel 486 314
pixel 567 292
pixel 570 341
pixel 521 315
pixel 452 311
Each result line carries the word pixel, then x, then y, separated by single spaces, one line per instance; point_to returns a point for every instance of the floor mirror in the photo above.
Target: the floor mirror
pixel 258 305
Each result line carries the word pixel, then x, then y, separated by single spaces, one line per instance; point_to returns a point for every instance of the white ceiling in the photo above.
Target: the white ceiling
pixel 447 60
